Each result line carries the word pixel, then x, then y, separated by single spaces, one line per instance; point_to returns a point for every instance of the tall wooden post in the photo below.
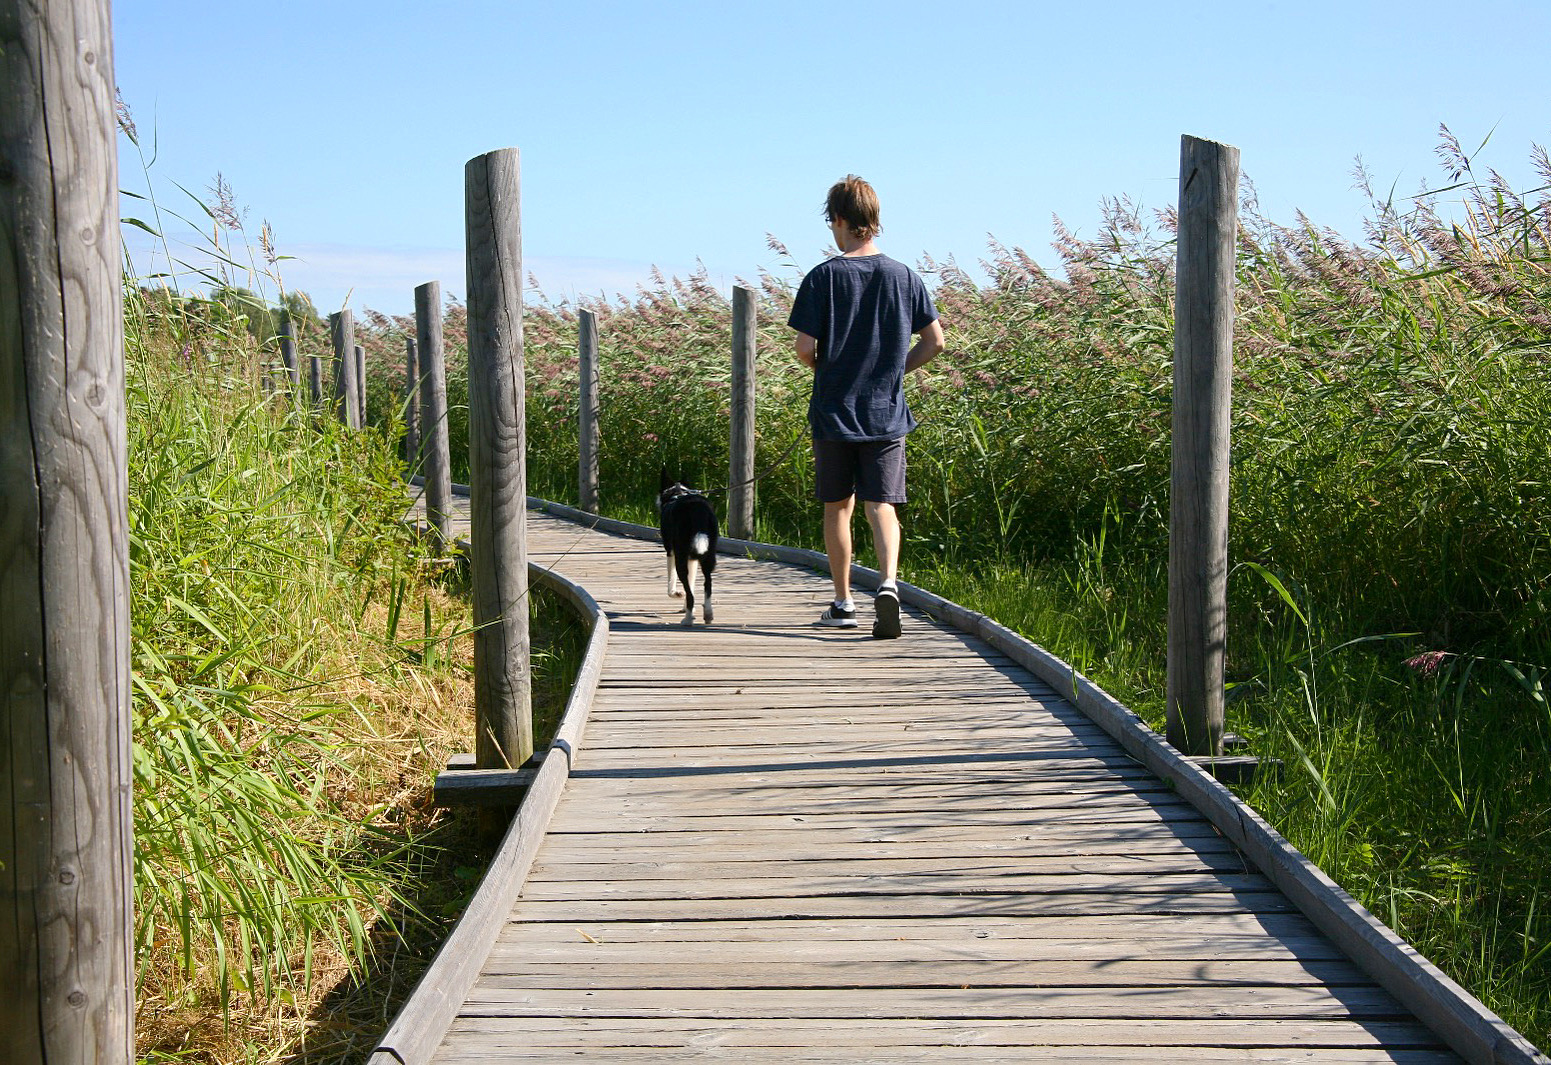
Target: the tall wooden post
pixel 740 496
pixel 433 401
pixel 587 411
pixel 342 333
pixel 411 404
pixel 497 464
pixel 360 385
pixel 293 372
pixel 1198 502
pixel 66 930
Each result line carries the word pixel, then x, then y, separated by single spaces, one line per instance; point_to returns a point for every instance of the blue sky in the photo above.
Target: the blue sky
pixel 665 133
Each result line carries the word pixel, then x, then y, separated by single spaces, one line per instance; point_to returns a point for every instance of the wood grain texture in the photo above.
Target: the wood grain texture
pixel 437 464
pixel 346 395
pixel 1198 500
pixel 65 832
pixel 497 462
pixel 587 410
pixel 740 473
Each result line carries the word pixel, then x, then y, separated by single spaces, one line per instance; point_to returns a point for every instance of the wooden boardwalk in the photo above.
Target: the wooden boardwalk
pixel 785 843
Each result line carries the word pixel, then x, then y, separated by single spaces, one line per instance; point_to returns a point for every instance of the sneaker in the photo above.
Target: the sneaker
pixel 838 617
pixel 886 606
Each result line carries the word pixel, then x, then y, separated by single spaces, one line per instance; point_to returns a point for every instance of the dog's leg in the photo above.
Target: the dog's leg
pixel 673 588
pixel 706 609
pixel 683 563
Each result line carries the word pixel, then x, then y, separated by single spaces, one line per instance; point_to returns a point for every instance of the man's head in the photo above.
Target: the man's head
pixel 854 203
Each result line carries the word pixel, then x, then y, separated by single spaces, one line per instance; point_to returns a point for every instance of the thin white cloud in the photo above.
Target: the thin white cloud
pixel 384 279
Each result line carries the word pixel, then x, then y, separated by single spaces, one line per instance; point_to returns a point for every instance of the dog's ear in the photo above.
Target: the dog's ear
pixel 666 480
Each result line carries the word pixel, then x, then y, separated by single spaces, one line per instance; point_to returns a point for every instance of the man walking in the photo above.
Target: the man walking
pixel 855 315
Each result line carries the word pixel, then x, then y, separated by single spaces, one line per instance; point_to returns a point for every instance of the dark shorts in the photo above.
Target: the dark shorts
pixel 873 471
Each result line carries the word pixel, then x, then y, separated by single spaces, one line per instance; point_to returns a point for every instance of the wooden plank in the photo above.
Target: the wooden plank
pixel 1049 854
pixel 930 810
pixel 924 738
pixel 66 929
pixel 929 806
pixel 1125 929
pixel 927 880
pixel 988 771
pixel 897 752
pixel 831 781
pixel 874 837
pixel 790 796
pixel 494 788
pixel 891 906
pixel 900 1034
pixel 574 819
pixel 710 975
pixel 879 698
pixel 514 953
pixel 492 998
pixel 703 1049
pixel 632 867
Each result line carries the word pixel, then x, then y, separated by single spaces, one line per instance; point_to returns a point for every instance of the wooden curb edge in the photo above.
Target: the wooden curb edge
pixel 429 1011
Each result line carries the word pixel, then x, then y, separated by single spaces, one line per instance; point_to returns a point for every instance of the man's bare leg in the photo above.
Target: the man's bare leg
pixel 884 520
pixel 837 544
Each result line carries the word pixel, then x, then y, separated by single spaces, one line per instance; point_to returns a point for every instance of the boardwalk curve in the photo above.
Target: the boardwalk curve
pixel 780 842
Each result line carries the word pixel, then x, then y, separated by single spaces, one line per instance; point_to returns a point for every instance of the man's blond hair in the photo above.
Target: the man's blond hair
pixel 854 202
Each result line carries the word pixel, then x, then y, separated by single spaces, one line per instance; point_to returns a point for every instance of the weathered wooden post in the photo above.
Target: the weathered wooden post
pixel 66 930
pixel 411 403
pixel 342 333
pixel 433 400
pixel 315 380
pixel 360 385
pixel 1198 502
pixel 293 371
pixel 497 464
pixel 740 496
pixel 587 411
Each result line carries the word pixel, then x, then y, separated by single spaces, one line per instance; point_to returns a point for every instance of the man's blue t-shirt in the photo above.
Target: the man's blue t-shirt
pixel 862 311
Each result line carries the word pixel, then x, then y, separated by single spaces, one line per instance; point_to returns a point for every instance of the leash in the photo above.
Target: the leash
pixel 768 470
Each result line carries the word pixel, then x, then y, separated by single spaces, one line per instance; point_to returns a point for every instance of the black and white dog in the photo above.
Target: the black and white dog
pixel 688 526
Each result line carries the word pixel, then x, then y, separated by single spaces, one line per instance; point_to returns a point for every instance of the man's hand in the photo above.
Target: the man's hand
pixel 926 349
pixel 807 350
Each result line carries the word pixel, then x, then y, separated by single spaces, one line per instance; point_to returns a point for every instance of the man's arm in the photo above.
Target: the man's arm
pixel 925 350
pixel 808 348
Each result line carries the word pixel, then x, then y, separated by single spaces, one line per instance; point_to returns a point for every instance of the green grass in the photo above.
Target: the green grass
pixel 301 670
